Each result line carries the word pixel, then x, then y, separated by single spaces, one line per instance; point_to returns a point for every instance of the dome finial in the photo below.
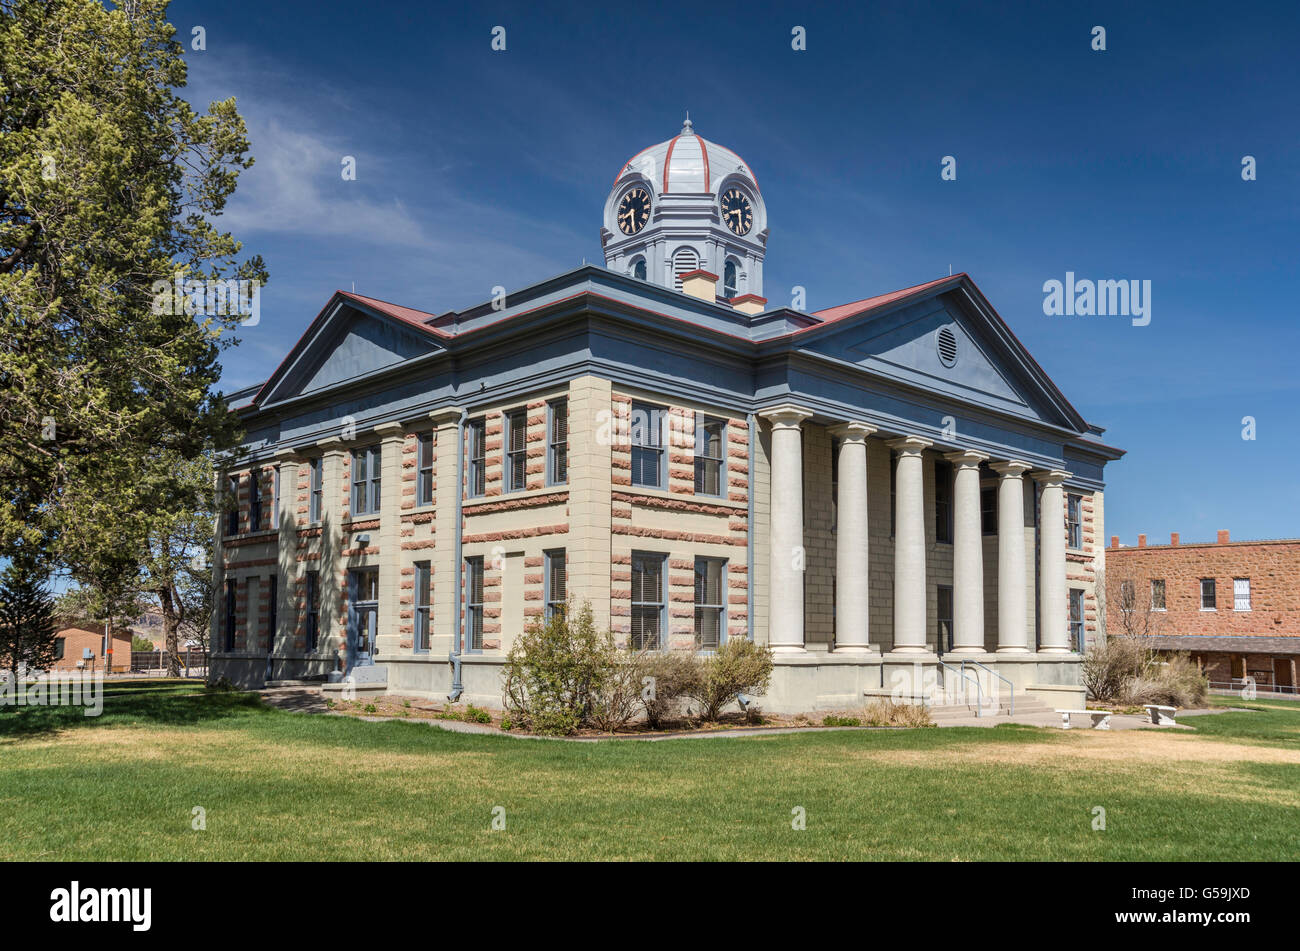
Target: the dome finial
pixel 687 129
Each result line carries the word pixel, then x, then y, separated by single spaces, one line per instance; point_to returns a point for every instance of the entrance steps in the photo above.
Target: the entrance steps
pixel 1025 706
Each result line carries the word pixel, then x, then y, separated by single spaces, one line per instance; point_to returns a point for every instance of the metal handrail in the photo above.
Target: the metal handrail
pixel 979 690
pixel 975 663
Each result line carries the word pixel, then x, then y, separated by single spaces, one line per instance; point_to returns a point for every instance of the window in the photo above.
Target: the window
pixel 710 466
pixel 710 603
pixel 1076 619
pixel 945 617
pixel 272 619
pixel 1207 594
pixel 313 609
pixel 943 475
pixel 557 577
pixel 729 280
pixel 835 486
pixel 424 470
pixel 474 603
pixel 516 426
pixel 275 497
pixel 422 574
pixel 893 492
pixel 1074 520
pixel 232 514
pixel 647 601
pixel 232 587
pixel 638 269
pixel 989 511
pixel 366 473
pixel 1157 594
pixel 647 445
pixel 1241 594
pixel 317 485
pixel 475 433
pixel 254 501
pixel 557 441
pixel 59 645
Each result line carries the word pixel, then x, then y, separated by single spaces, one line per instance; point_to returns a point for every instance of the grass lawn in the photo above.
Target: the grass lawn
pixel 279 785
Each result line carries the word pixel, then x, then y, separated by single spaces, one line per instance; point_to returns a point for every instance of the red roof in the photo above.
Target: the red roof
pixel 410 315
pixel 832 314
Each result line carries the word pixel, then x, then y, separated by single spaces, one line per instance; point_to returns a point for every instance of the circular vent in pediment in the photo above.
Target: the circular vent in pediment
pixel 947 344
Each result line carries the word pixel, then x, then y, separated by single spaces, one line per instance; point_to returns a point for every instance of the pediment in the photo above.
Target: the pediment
pixel 349 344
pixel 939 344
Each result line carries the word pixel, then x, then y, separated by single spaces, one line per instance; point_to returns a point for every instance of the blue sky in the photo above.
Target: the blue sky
pixel 477 168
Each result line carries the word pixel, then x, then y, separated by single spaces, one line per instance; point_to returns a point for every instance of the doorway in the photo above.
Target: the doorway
pixel 363 616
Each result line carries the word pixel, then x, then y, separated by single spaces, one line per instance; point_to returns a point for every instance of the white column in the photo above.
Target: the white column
pixel 967 553
pixel 851 566
pixel 909 546
pixel 785 574
pixel 1013 634
pixel 1054 623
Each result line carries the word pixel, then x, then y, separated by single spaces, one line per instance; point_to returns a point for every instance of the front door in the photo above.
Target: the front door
pixel 363 615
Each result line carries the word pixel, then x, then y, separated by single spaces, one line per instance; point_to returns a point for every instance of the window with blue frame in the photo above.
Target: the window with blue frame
pixel 648 601
pixel 1074 520
pixel 424 470
pixel 476 451
pixel 254 501
pixel 710 455
pixel 422 619
pixel 232 502
pixel 474 603
pixel 1076 619
pixel 516 441
pixel 557 442
pixel 557 577
pixel 317 489
pixel 647 434
pixel 710 603
pixel 367 470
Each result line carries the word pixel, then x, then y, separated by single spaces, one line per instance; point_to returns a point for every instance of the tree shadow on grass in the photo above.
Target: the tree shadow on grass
pixel 146 703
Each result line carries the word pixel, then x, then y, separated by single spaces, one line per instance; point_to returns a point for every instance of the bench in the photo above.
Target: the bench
pixel 1162 716
pixel 1100 718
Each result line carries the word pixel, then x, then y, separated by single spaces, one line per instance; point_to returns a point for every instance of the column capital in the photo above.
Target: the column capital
pixel 787 415
pixel 330 444
pixel 966 457
pixel 1050 476
pixel 446 415
pixel 852 431
pixel 910 445
pixel 1011 469
pixel 389 429
pixel 287 454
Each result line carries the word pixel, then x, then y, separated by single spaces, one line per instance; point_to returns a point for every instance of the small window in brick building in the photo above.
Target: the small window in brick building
pixel 646 430
pixel 1157 594
pixel 710 468
pixel 1241 594
pixel 557 582
pixel 424 470
pixel 422 574
pixel 1074 520
pixel 476 449
pixel 647 601
pixel 474 603
pixel 232 500
pixel 557 441
pixel 516 450
pixel 1207 594
pixel 710 602
pixel 1076 619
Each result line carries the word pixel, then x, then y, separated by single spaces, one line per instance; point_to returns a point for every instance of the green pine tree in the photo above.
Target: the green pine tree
pixel 27 628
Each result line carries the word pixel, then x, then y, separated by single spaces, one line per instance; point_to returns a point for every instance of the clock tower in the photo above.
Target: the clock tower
pixel 687 204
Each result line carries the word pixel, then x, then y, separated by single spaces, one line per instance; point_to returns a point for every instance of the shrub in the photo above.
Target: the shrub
pixel 887 712
pixel 671 674
pixel 1123 670
pixel 555 669
pixel 475 714
pixel 619 698
pixel 1110 665
pixel 1177 683
pixel 833 720
pixel 738 666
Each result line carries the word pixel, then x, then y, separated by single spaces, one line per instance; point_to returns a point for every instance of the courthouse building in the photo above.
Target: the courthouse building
pixel 873 490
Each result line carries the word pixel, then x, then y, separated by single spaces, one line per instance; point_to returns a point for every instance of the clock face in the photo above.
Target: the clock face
pixel 634 211
pixel 736 211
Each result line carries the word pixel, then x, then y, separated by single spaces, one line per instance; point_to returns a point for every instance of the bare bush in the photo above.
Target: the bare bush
pixel 738 666
pixel 889 712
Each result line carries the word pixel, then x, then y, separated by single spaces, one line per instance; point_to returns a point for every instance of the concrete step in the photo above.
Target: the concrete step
pixel 958 711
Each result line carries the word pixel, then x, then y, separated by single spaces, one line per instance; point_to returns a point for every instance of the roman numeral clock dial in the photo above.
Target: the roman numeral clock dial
pixel 634 211
pixel 736 211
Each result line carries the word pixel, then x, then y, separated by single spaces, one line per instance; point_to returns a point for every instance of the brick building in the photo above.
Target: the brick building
pixel 75 638
pixel 864 488
pixel 1234 605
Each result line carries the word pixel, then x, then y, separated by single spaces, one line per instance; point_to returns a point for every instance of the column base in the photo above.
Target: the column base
pixel 855 649
pixel 789 649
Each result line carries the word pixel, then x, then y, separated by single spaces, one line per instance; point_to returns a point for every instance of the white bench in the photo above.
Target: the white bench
pixel 1162 716
pixel 1100 718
